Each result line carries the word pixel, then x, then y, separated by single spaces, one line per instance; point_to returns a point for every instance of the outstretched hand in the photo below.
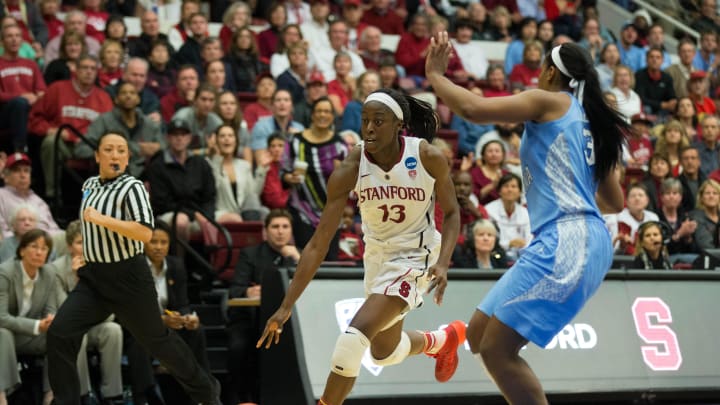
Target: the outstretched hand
pixel 438 55
pixel 438 281
pixel 273 328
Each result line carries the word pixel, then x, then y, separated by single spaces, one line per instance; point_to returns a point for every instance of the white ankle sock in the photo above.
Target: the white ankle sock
pixel 434 341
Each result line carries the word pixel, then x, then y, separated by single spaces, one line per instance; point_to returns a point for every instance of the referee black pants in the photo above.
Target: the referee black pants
pixel 126 289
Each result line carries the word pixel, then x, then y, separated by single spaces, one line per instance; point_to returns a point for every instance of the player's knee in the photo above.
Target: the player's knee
pixel 402 350
pixel 474 336
pixel 349 350
pixel 493 355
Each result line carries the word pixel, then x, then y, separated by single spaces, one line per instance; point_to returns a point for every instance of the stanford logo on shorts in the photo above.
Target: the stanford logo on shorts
pixel 345 310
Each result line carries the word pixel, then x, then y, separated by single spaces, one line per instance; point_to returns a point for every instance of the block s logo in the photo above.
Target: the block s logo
pixel 653 319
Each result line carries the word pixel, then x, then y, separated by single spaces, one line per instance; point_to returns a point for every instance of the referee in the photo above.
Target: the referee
pixel 116 221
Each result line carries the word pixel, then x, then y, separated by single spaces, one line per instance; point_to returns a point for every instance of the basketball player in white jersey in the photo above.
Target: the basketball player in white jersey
pixel 397 180
pixel 570 150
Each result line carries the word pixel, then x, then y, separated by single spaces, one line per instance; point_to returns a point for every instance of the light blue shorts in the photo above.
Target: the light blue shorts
pixel 556 274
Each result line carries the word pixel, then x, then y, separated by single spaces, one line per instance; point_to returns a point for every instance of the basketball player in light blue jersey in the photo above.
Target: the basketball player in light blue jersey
pixel 569 151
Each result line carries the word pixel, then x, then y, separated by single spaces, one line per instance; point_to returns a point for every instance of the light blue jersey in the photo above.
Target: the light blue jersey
pixel 558 164
pixel 571 250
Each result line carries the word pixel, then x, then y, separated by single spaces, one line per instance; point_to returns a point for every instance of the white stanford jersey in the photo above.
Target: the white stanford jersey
pixel 397 207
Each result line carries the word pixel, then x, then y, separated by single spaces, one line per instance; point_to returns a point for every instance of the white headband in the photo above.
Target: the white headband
pixel 579 86
pixel 386 99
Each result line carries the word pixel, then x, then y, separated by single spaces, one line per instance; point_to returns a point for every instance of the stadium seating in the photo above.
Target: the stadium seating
pixel 242 234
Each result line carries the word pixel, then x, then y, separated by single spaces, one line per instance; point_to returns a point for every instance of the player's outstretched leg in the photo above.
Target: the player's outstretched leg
pixel 442 345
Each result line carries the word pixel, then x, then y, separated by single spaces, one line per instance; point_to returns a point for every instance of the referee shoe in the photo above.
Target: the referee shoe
pixel 446 359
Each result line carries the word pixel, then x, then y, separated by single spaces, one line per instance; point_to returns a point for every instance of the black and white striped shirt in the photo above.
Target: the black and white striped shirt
pixel 124 198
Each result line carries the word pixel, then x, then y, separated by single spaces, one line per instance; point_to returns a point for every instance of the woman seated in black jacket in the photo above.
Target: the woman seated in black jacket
pixel 481 249
pixel 681 246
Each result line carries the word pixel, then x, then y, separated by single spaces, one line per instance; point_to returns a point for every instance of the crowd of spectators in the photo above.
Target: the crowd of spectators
pixel 235 126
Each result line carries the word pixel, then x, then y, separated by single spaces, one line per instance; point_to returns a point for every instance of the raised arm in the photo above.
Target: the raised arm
pixel 340 184
pixel 532 105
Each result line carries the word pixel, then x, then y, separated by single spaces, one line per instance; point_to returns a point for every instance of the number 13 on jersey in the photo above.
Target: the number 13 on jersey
pixel 394 213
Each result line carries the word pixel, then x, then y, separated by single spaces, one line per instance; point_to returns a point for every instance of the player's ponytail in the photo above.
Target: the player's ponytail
pixel 418 116
pixel 608 127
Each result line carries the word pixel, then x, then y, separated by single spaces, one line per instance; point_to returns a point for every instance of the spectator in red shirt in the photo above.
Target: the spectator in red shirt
pixel 340 89
pixel 49 10
pixel 21 85
pixel 77 102
pixel 488 170
pixel 495 83
pixel 350 244
pixel 96 18
pixel 413 45
pixel 236 16
pixel 264 89
pixel 639 144
pixel 111 57
pixel 697 87
pixel 525 75
pixel 267 39
pixel 273 194
pixel 182 95
pixel 382 16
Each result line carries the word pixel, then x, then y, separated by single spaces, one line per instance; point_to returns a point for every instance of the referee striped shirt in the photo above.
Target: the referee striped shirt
pixel 124 198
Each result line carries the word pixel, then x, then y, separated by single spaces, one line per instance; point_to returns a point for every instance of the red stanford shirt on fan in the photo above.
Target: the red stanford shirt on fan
pixel 95 26
pixel 64 104
pixel 19 76
pixel 640 149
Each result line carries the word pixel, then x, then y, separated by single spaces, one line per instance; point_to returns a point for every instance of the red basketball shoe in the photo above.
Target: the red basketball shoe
pixel 447 358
